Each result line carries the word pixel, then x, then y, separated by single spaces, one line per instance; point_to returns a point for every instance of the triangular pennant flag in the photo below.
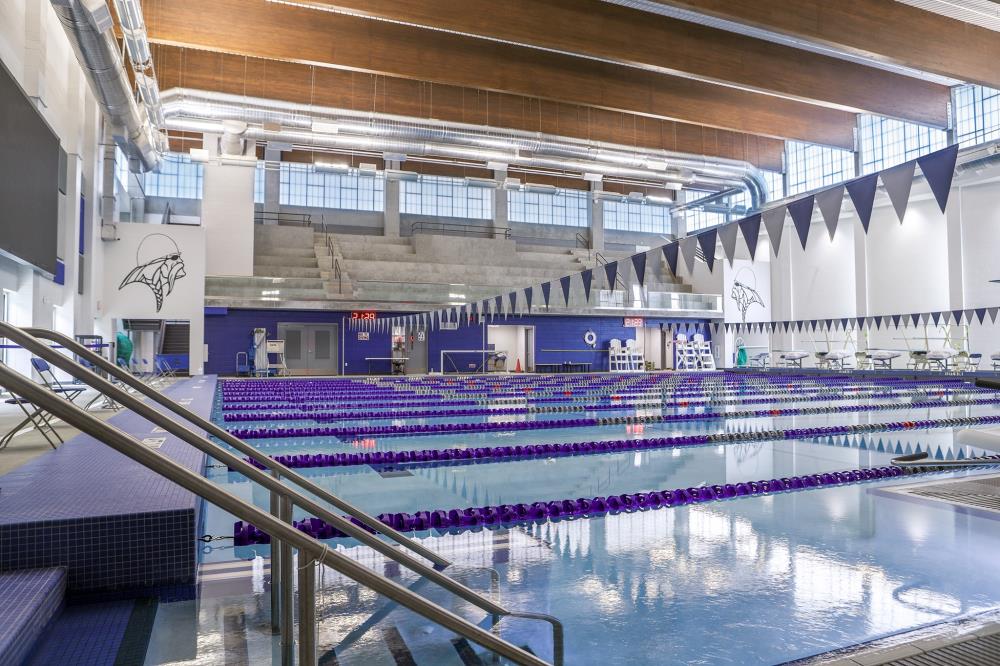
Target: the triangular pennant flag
pixel 957 314
pixel 689 246
pixel 862 191
pixel 513 302
pixel 829 203
pixel 498 303
pixel 968 315
pixel 993 314
pixel 843 323
pixel 936 317
pixel 939 170
pixel 528 295
pixel 878 322
pixel 812 324
pixel 564 282
pixel 706 240
pixel 670 254
pixel 588 277
pixel 860 321
pixel 895 320
pixel 639 264
pixel 801 211
pixel 727 235
pixel 774 222
pixel 611 271
pixel 898 180
pixel 750 228
pixel 981 314
pixel 546 288
pixel 915 319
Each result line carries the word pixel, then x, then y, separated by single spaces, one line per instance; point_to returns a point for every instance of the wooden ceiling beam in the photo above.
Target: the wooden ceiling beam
pixel 255 77
pixel 884 30
pixel 293 34
pixel 634 38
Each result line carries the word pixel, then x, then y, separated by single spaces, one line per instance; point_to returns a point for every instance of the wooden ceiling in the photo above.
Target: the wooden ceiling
pixel 581 68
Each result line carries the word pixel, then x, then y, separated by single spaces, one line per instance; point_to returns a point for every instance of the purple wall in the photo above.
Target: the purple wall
pixel 227 331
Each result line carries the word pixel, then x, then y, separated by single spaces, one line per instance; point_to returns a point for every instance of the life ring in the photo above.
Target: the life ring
pixel 590 338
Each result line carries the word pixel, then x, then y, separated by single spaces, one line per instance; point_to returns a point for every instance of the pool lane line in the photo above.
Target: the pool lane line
pixel 529 451
pixel 508 515
pixel 503 426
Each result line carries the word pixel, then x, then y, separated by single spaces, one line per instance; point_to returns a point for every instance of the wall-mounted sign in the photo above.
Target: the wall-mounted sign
pixel 634 322
pixel 364 315
pixel 421 336
pixel 363 336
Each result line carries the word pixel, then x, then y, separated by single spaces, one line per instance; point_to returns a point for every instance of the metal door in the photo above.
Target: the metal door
pixel 529 348
pixel 416 350
pixel 310 349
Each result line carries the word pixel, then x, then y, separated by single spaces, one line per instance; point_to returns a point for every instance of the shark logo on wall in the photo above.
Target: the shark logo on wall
pixel 744 292
pixel 158 266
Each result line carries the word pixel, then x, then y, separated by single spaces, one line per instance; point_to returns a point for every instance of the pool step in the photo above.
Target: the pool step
pixel 29 601
pixel 97 634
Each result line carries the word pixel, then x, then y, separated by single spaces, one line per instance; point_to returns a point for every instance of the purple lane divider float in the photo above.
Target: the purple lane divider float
pixel 506 515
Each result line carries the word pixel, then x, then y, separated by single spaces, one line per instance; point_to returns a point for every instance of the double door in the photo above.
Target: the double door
pixel 310 349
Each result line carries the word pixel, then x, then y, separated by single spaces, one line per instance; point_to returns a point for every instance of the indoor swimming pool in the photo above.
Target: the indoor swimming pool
pixel 717 518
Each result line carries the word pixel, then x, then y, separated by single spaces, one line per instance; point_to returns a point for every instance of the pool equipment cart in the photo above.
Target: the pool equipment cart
pixel 277 523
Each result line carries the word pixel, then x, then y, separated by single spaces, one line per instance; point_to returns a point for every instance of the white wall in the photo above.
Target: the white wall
pixel 227 215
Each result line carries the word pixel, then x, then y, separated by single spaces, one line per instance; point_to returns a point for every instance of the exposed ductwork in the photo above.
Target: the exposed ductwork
pixel 88 24
pixel 339 129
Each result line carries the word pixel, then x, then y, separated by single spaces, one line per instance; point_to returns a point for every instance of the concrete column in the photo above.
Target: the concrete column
pixel 391 216
pixel 227 212
pixel 272 182
pixel 596 220
pixel 956 279
pixel 501 216
pixel 35 51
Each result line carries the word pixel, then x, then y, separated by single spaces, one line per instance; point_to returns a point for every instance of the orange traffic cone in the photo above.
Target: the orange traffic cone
pixel 517 366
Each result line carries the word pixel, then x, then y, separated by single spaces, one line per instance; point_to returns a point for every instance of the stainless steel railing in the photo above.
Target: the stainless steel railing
pixel 282 497
pixel 282 532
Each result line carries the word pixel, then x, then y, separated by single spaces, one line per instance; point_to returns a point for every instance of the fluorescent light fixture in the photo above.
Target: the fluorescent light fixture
pixel 540 188
pixel 512 183
pixel 604 195
pixel 636 197
pixel 659 201
pixel 335 167
pixel 325 127
pixel 367 169
pixel 198 155
pixel 456 295
pixel 230 160
pixel 676 187
pixel 481 182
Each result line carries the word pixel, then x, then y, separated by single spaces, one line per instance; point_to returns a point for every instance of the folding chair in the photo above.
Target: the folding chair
pixel 34 418
pixel 69 390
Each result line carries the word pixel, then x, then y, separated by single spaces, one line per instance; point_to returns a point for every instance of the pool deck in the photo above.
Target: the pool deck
pixel 85 505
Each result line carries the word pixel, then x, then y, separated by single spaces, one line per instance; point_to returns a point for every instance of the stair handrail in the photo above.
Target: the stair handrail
pixel 280 530
pixel 619 283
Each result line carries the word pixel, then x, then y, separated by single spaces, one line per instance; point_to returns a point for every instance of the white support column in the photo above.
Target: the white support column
pixel 272 183
pixel 956 279
pixel 501 215
pixel 35 51
pixel 392 224
pixel 596 219
pixel 227 215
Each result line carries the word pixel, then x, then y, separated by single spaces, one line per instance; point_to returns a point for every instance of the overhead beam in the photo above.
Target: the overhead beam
pixel 293 34
pixel 634 38
pixel 292 82
pixel 884 30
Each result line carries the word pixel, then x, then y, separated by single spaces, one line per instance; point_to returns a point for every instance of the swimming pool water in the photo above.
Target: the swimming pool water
pixel 758 580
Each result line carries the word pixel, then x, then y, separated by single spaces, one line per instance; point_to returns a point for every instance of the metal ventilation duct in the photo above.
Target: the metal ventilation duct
pixel 88 24
pixel 322 127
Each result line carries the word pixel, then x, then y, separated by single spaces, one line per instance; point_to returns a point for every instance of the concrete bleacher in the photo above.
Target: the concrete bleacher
pixel 302 267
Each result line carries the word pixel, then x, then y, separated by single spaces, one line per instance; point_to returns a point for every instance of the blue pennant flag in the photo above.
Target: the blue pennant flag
pixel 527 297
pixel 801 211
pixel 750 227
pixel 862 191
pixel 513 302
pixel 671 252
pixel 939 169
pixel 546 288
pixel 639 264
pixel 588 277
pixel 564 282
pixel 706 240
pixel 611 270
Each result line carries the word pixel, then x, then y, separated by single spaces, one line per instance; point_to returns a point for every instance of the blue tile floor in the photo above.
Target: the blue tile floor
pixel 89 635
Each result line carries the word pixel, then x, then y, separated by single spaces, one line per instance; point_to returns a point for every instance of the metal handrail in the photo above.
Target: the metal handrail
pixel 280 531
pixel 619 283
pixel 300 219
pixel 27 339
pixel 465 229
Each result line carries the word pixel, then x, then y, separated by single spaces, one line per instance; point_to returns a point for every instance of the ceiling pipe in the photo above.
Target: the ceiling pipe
pixel 304 124
pixel 88 24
